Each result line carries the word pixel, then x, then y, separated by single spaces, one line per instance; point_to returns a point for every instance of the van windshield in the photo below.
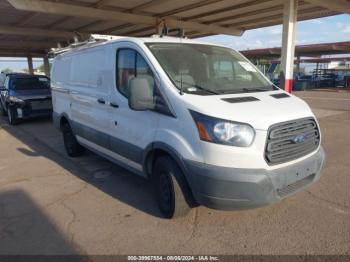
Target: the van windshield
pixel 208 70
pixel 29 82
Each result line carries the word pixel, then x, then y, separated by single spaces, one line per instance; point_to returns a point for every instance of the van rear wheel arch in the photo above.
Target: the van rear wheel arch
pixel 63 121
pixel 72 146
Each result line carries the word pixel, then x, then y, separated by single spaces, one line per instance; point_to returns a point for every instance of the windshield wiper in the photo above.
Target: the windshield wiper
pixel 255 89
pixel 198 87
pixel 267 88
pixel 246 90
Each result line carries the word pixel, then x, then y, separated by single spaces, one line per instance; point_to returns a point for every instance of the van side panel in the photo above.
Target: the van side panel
pixel 84 92
pixel 87 85
pixel 60 74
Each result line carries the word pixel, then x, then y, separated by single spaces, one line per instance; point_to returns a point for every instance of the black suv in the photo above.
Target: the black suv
pixel 25 96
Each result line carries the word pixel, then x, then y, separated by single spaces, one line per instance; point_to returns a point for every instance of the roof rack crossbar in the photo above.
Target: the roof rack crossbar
pixel 93 40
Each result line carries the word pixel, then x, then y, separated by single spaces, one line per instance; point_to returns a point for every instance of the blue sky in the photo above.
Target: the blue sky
pixel 19 64
pixel 322 30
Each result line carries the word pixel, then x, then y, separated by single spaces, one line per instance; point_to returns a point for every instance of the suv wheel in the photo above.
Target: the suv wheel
pixel 73 148
pixel 2 109
pixel 12 115
pixel 169 184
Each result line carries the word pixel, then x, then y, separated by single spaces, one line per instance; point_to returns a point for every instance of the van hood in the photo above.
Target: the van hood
pixel 31 94
pixel 260 111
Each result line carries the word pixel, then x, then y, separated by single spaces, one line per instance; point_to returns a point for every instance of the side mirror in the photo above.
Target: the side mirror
pixel 141 94
pixel 2 88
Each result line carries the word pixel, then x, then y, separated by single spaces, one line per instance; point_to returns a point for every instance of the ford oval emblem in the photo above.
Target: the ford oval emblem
pixel 299 139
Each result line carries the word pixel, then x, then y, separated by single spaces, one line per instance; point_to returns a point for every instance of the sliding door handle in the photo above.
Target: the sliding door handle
pixel 101 101
pixel 113 105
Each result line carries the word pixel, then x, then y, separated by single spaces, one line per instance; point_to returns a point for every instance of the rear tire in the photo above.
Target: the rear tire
pixel 169 184
pixel 73 148
pixel 12 115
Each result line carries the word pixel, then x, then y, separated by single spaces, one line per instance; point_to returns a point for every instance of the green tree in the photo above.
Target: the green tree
pixel 41 67
pixel 7 70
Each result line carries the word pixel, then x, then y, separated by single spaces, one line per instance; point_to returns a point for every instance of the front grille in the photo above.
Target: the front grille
pixel 42 104
pixel 292 188
pixel 291 140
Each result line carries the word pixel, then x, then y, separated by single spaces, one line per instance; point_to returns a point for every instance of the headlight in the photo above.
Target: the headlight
pixel 223 131
pixel 16 100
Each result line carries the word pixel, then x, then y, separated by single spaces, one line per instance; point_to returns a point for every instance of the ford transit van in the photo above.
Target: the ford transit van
pixel 197 119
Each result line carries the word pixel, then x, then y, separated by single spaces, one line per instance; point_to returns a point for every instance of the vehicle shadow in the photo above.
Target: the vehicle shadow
pixel 106 176
pixel 26 230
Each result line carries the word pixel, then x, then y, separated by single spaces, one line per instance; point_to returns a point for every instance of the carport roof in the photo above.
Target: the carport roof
pixel 313 50
pixel 31 27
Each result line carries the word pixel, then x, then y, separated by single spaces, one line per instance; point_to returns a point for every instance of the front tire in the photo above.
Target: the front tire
pixel 12 115
pixel 2 109
pixel 170 188
pixel 73 148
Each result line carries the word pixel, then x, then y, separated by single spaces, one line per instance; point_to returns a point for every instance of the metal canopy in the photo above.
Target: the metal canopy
pixel 314 50
pixel 31 27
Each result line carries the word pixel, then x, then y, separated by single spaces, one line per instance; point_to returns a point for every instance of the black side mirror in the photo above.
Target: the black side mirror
pixel 2 88
pixel 141 94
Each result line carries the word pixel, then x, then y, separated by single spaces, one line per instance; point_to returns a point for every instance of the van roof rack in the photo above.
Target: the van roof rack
pixel 166 31
pixel 91 41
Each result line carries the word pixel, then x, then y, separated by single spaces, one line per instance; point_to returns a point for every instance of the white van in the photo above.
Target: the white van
pixel 198 119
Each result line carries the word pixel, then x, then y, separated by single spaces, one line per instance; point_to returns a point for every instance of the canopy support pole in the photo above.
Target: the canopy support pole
pixel 46 66
pixel 30 65
pixel 288 44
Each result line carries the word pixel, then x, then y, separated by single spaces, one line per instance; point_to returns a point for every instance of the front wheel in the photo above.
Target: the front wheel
pixel 170 188
pixel 12 115
pixel 2 109
pixel 73 148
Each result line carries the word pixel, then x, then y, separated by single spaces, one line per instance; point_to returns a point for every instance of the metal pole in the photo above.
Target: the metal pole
pixel 30 65
pixel 46 66
pixel 298 65
pixel 288 44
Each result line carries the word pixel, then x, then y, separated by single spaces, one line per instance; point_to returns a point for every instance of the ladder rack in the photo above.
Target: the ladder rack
pixel 93 40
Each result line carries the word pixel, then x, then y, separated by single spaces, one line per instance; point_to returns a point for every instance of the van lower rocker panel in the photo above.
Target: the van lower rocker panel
pixel 111 154
pixel 106 141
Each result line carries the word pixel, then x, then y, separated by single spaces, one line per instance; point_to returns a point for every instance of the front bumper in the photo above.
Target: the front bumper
pixel 27 110
pixel 233 188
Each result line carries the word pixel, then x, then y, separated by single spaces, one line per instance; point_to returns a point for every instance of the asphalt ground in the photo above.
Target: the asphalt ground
pixel 52 204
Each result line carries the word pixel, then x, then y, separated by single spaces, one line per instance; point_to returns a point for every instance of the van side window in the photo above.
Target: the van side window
pixel 131 64
pixel 126 69
pixel 143 70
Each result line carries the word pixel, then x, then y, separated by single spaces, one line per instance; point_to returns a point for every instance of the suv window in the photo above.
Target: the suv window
pixel 131 64
pixel 6 83
pixel 29 82
pixel 2 80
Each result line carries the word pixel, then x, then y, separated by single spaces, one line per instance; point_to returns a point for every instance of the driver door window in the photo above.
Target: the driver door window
pixel 131 64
